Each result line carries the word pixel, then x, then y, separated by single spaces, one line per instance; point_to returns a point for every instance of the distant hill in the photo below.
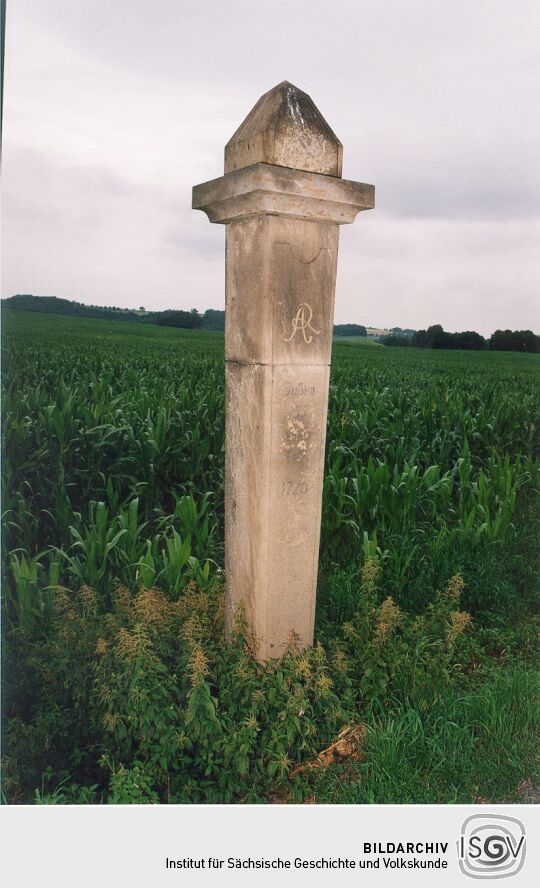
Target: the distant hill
pixel 211 319
pixel 54 305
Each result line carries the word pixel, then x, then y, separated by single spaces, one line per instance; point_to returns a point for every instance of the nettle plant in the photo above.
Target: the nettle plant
pixel 149 703
pixel 201 717
pixel 400 658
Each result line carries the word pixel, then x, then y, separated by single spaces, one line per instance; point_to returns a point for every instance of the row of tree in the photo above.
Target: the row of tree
pixel 189 320
pixel 214 319
pixel 515 340
pixel 349 330
pixel 436 337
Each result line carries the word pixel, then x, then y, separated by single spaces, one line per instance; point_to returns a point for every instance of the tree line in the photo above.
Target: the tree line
pixel 211 319
pixel 436 337
pixel 214 320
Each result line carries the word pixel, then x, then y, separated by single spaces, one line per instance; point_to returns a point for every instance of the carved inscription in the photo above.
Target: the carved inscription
pixel 296 438
pixel 294 487
pixel 293 536
pixel 298 391
pixel 302 323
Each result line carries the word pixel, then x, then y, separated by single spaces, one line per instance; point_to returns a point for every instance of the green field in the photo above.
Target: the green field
pixel 117 683
pixel 355 340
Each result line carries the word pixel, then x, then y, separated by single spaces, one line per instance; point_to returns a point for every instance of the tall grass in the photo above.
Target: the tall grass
pixel 467 747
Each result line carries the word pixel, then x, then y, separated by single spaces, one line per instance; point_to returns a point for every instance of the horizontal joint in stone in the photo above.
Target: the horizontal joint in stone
pixel 267 189
pixel 296 366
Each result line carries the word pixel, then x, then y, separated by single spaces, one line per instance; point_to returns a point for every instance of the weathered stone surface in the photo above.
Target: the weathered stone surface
pixel 248 412
pixel 262 188
pixel 275 436
pixel 281 257
pixel 280 290
pixel 287 129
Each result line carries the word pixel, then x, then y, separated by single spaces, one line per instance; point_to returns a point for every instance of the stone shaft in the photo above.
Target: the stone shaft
pixel 279 310
pixel 281 257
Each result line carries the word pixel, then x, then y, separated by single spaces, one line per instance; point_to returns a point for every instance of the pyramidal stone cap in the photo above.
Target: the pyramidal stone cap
pixel 285 128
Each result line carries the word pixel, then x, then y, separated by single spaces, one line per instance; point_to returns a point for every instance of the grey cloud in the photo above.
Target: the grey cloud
pixel 114 110
pixel 189 240
pixel 461 184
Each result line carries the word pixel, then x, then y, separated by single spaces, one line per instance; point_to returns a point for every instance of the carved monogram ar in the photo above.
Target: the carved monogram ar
pixel 302 303
pixel 302 323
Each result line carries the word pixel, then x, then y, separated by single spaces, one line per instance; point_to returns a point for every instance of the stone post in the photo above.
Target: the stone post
pixel 282 199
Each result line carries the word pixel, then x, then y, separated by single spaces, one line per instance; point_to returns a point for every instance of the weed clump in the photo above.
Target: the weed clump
pixel 152 703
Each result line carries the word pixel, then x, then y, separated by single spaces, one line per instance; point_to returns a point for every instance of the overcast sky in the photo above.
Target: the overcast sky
pixel 115 108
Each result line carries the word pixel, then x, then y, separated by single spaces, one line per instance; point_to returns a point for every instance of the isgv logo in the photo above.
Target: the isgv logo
pixel 491 846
